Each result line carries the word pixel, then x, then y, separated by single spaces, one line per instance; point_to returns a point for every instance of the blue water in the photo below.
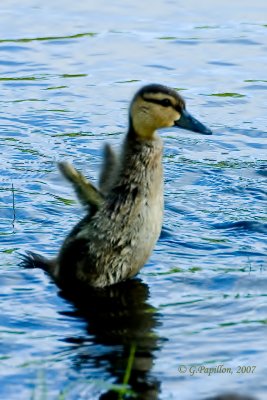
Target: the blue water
pixel 67 73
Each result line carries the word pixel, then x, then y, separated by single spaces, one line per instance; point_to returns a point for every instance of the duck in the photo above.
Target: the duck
pixel 123 217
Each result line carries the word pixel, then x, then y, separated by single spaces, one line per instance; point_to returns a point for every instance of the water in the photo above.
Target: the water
pixel 67 73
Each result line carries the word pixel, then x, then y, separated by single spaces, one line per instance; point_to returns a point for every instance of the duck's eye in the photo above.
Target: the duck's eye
pixel 166 103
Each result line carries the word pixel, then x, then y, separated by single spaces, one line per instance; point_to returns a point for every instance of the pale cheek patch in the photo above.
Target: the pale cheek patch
pixel 148 117
pixel 177 116
pixel 169 118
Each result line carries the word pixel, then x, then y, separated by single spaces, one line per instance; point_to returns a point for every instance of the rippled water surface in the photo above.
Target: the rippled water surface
pixel 67 73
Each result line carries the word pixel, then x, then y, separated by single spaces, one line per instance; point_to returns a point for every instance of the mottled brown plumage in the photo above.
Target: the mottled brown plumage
pixel 124 217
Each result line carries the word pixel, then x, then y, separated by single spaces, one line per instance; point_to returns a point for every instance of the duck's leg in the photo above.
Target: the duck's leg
pixel 109 169
pixel 86 192
pixel 34 260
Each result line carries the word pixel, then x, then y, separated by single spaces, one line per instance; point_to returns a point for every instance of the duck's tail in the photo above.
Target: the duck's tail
pixel 34 260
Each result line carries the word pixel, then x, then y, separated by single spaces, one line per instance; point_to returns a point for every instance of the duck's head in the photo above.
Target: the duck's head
pixel 157 106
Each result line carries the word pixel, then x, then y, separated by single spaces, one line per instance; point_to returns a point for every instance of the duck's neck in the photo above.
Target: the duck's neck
pixel 138 143
pixel 141 130
pixel 141 159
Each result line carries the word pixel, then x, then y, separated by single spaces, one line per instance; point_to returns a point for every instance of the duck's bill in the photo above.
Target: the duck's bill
pixel 187 121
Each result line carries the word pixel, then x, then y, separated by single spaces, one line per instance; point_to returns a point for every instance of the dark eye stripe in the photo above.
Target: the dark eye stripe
pixel 163 102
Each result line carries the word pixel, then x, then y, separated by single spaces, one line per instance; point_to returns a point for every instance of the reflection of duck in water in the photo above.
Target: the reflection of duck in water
pixel 121 342
pixel 116 237
pixel 120 347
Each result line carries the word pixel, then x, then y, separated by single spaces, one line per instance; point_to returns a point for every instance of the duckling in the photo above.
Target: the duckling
pixel 124 218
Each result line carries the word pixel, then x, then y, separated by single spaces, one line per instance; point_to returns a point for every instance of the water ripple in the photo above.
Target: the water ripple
pixel 245 226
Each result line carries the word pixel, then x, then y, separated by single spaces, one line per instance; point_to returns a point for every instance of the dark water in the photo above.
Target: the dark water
pixel 67 73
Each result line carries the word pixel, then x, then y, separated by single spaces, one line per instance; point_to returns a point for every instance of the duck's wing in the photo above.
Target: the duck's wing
pixel 86 192
pixel 109 169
